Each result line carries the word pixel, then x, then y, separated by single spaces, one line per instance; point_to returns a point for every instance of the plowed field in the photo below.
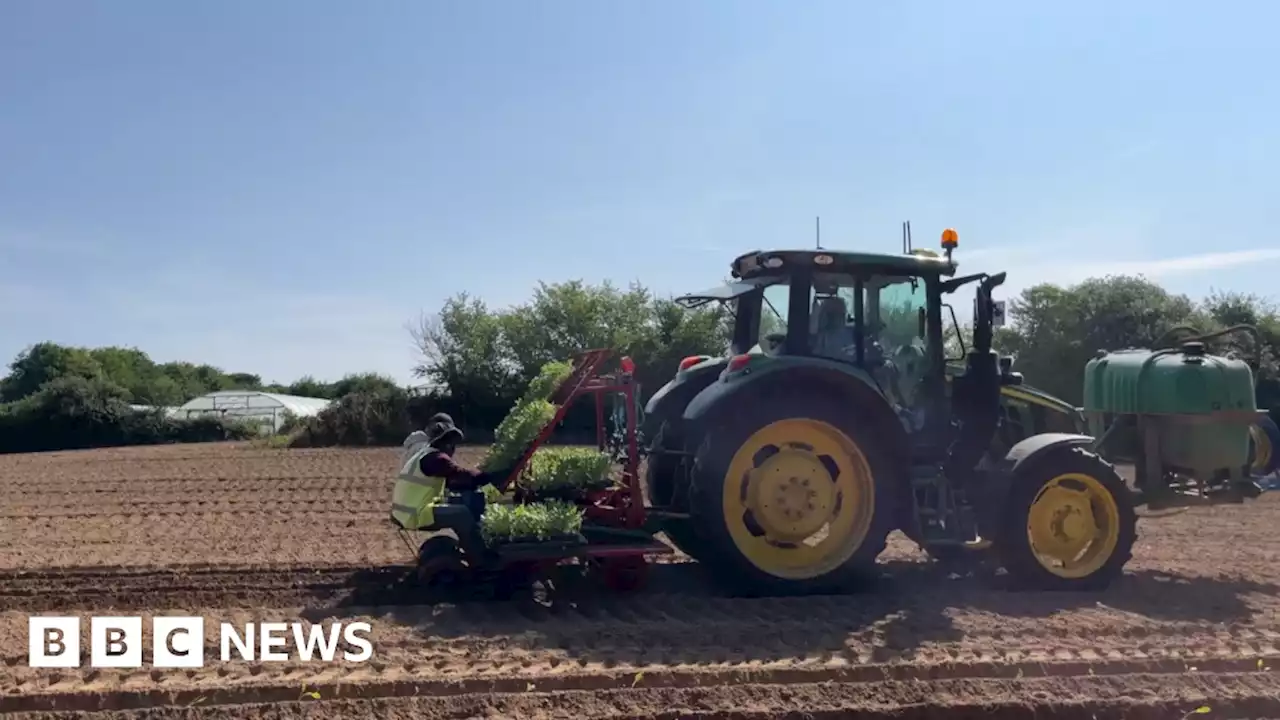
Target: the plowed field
pixel 238 534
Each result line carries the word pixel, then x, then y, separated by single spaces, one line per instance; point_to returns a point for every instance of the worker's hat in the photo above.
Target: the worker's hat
pixel 440 427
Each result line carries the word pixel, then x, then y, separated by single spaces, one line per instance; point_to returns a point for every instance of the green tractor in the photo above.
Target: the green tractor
pixel 837 418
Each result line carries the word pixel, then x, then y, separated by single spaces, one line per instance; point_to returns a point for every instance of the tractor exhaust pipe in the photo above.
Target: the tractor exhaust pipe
pixel 976 394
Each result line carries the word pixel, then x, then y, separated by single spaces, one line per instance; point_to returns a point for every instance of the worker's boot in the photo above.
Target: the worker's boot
pixel 479 555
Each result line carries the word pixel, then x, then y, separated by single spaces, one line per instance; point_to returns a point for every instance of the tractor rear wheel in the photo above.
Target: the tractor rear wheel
pixel 792 495
pixel 684 537
pixel 1069 523
pixel 1264 447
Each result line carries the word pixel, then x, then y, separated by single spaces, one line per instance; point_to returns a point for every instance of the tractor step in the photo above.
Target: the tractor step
pixel 942 514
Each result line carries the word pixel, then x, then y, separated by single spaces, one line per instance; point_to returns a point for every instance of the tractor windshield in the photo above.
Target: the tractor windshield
pixel 894 306
pixel 891 309
pixel 827 317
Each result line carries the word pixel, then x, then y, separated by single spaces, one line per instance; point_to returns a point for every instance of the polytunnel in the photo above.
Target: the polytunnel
pixel 268 410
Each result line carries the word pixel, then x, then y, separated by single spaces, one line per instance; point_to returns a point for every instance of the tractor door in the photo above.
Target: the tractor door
pixel 903 346
pixel 888 325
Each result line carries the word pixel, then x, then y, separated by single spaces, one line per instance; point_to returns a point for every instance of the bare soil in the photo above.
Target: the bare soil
pixel 241 534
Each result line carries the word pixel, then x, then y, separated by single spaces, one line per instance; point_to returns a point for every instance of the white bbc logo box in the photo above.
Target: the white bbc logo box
pixel 54 642
pixel 178 642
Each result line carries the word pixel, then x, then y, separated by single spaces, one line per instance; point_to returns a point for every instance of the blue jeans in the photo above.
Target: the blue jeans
pixel 461 514
pixel 472 500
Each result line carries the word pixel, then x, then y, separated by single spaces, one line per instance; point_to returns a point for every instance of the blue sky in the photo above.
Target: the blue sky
pixel 281 187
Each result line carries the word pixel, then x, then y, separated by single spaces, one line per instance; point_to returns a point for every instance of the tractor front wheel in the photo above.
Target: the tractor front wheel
pixel 792 495
pixel 1069 523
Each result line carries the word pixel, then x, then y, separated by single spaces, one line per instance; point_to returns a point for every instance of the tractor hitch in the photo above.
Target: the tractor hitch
pixel 1233 493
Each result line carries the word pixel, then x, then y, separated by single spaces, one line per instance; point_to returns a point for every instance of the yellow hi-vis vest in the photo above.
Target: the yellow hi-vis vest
pixel 416 494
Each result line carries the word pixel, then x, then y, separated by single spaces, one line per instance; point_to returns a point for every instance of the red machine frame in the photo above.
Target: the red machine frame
pixel 621 507
pixel 621 541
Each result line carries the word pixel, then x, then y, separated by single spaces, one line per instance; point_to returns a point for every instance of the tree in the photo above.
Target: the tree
pixel 244 381
pixel 44 363
pixel 363 382
pixel 464 348
pixel 1056 330
pixel 484 358
pixel 308 386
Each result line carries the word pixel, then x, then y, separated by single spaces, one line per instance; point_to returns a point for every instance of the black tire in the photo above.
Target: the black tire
pixel 440 563
pixel 721 555
pixel 660 483
pixel 1272 433
pixel 1013 545
pixel 659 477
pixel 684 536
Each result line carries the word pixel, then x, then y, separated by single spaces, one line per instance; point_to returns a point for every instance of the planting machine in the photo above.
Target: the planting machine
pixel 836 417
pixel 618 530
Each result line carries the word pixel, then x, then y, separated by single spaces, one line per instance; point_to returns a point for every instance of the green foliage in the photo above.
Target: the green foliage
pixel 527 418
pixel 550 377
pixel 517 431
pixel 67 397
pixel 566 471
pixel 142 381
pixel 1056 330
pixel 491 494
pixel 535 521
pixel 73 412
pixel 486 358
pixel 376 416
pixel 465 349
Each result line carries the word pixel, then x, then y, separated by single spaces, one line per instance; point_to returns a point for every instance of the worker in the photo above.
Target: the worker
pixel 434 492
pixel 832 336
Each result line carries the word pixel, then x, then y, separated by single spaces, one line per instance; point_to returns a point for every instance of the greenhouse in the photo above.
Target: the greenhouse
pixel 268 410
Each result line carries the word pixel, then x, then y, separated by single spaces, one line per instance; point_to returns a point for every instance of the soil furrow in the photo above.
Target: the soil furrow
pixel 1162 684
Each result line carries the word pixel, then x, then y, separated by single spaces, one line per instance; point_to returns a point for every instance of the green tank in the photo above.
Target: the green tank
pixel 1200 406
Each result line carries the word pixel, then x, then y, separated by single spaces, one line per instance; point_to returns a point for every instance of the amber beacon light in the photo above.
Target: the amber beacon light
pixel 950 239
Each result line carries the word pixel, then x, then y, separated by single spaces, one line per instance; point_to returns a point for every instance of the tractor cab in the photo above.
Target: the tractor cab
pixel 836 389
pixel 880 314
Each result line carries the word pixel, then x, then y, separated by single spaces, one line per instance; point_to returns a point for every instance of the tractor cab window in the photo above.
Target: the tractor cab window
pixel 896 349
pixel 830 326
pixel 891 323
pixel 893 312
pixel 773 318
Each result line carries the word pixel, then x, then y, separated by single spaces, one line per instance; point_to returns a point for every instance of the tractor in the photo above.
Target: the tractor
pixel 836 417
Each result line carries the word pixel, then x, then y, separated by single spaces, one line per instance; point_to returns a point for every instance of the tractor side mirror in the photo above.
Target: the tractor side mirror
pixel 1007 375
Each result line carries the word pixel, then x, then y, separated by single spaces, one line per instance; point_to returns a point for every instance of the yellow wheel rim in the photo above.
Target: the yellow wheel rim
pixel 799 498
pixel 1073 526
pixel 1261 448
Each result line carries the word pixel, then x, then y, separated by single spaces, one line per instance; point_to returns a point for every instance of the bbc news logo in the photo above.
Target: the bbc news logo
pixel 178 642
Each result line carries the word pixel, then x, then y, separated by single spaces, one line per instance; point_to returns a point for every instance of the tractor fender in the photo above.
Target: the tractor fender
pixel 669 402
pixel 792 375
pixel 1024 455
pixel 1027 451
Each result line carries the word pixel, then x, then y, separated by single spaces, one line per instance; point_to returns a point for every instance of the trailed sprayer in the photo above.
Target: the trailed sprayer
pixel 1181 416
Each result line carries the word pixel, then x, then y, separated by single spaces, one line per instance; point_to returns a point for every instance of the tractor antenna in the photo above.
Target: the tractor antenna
pixel 817 228
pixel 909 243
